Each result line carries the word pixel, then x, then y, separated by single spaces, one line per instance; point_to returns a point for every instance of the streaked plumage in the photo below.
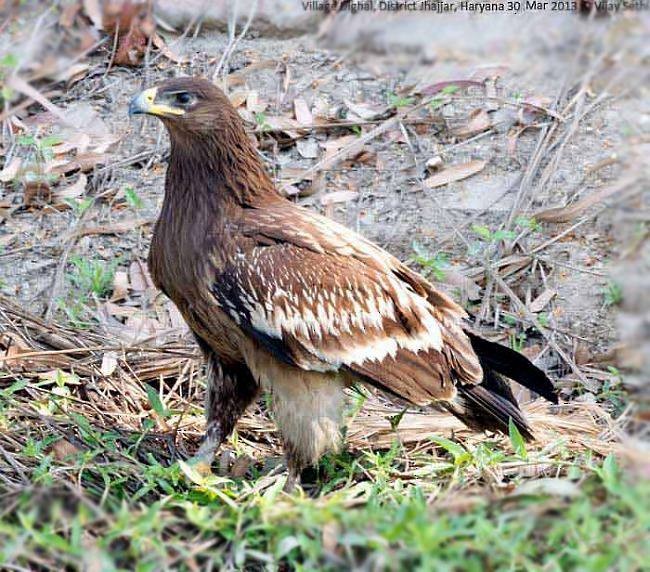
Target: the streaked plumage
pixel 284 299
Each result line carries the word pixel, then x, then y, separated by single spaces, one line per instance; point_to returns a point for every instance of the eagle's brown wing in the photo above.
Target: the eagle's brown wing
pixel 328 308
pixel 301 227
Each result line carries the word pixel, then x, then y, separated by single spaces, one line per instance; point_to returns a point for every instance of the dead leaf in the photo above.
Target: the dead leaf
pixel 467 285
pixel 570 212
pixel 93 10
pixel 139 328
pixel 83 162
pixel 479 121
pixel 438 87
pixel 73 191
pixel 134 25
pixel 36 192
pixel 434 163
pixel 338 197
pixel 10 170
pixel 114 228
pixel 112 309
pixel 333 146
pixel 120 286
pixel 139 276
pixel 21 86
pixel 239 77
pixel 238 98
pixel 366 112
pixel 308 148
pixel 63 450
pixel 455 173
pixel 109 363
pixel 302 113
pixel 535 106
pixel 164 49
pixel 72 74
pixel 281 123
pixel 539 303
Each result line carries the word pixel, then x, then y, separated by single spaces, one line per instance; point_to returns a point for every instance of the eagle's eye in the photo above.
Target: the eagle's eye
pixel 183 98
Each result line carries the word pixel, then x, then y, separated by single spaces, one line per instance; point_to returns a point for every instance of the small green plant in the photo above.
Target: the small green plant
pixel 397 101
pixel 79 206
pixel 487 235
pixel 517 341
pixel 613 392
pixel 435 265
pixel 612 294
pixel 42 148
pixel 132 198
pixel 8 62
pixel 449 89
pixel 529 223
pixel 438 101
pixel 36 153
pixel 510 319
pixel 542 318
pixel 262 123
pixel 517 441
pixel 356 129
pixel 92 276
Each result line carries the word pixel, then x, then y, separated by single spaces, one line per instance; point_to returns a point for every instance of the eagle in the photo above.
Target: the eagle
pixel 284 300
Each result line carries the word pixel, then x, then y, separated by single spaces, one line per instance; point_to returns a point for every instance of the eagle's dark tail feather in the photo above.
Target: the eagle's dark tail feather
pixel 491 404
pixel 512 364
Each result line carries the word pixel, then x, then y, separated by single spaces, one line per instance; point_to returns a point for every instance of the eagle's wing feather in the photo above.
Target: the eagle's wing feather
pixel 315 232
pixel 326 309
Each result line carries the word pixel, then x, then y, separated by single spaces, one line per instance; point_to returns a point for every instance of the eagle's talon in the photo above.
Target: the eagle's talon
pixel 201 465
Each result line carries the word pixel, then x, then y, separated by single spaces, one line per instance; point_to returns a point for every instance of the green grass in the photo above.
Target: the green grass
pixel 92 276
pixel 382 524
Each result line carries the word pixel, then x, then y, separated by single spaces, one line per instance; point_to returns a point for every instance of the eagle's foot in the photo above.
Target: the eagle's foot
pixel 204 457
pixel 202 465
pixel 293 479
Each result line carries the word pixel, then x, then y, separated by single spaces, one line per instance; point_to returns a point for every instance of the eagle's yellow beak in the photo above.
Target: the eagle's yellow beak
pixel 145 102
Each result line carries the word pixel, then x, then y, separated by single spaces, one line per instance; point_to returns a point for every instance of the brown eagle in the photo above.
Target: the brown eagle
pixel 284 299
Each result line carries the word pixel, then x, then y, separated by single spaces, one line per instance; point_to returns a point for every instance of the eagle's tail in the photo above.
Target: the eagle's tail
pixel 491 404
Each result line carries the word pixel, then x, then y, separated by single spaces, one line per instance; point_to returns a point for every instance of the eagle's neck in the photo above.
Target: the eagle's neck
pixel 216 168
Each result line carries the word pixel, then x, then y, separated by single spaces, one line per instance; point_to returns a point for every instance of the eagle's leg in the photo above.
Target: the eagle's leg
pixel 308 408
pixel 231 388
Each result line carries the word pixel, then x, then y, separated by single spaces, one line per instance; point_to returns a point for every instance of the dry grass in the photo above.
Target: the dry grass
pixel 101 393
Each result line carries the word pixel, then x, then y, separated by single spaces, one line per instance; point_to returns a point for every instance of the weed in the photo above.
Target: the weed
pixel 517 341
pixel 399 101
pixel 612 294
pixel 262 123
pixel 132 198
pixel 79 206
pixel 434 265
pixel 92 276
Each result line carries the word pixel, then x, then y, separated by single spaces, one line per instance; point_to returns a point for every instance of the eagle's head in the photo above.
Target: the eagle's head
pixel 186 105
pixel 210 150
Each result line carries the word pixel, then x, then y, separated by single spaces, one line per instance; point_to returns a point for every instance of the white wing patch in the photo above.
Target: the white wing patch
pixel 336 317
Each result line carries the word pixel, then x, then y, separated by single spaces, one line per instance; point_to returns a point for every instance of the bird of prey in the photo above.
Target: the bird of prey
pixel 285 300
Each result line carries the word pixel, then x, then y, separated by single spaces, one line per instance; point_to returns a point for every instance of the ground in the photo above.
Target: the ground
pixel 505 156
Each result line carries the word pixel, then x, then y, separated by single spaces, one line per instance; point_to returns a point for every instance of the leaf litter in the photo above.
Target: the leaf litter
pixel 129 360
